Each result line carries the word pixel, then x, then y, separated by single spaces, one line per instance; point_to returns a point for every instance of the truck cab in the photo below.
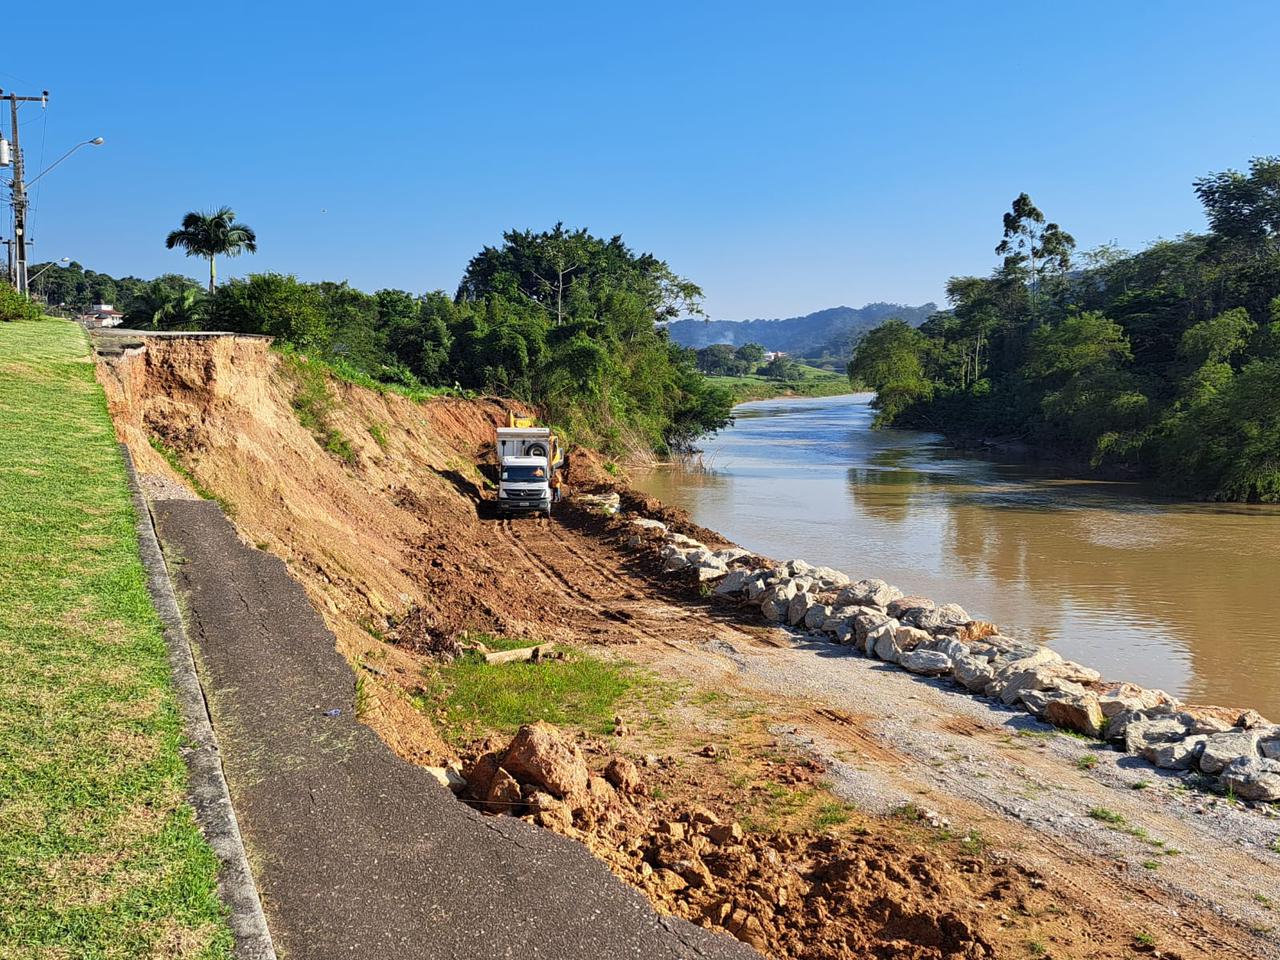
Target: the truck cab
pixel 524 485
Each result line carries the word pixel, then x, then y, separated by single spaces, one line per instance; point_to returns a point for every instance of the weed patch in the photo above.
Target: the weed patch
pixel 832 815
pixel 315 404
pixel 1103 815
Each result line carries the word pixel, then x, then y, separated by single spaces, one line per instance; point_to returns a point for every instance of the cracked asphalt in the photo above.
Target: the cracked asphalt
pixel 356 852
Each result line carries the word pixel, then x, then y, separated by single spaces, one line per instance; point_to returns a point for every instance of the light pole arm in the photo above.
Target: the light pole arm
pixel 96 141
pixel 46 267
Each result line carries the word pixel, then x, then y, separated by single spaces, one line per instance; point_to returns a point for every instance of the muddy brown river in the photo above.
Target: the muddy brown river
pixel 1181 596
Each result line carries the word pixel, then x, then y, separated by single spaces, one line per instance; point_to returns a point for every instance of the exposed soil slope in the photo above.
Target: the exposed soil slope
pixel 400 542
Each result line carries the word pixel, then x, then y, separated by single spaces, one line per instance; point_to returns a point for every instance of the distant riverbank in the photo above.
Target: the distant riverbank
pixel 812 382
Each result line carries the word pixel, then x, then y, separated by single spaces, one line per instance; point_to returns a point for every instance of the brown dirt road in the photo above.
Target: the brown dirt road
pixel 942 780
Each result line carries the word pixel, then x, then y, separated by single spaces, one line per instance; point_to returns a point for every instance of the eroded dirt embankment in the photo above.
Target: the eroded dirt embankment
pixel 392 539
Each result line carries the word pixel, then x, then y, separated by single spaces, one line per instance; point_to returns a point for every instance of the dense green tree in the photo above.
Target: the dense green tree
pixel 75 289
pixel 1158 362
pixel 782 367
pixel 571 321
pixel 211 235
pixel 1219 339
pixel 889 360
pixel 169 302
pixel 1226 442
pixel 720 359
pixel 1244 208
pixel 751 355
pixel 274 304
pixel 565 271
pixel 352 330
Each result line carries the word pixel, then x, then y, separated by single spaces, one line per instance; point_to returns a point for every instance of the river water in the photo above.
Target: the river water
pixel 1181 596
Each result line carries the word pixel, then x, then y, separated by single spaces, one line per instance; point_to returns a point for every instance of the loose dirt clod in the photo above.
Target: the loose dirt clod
pixel 417 631
pixel 802 896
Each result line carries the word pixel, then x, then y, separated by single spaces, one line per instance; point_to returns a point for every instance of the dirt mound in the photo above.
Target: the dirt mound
pixel 802 896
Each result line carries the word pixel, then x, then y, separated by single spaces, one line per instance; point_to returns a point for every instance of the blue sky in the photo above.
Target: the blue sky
pixel 787 157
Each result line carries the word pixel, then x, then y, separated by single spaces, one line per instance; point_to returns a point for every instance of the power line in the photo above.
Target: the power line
pixel 44 133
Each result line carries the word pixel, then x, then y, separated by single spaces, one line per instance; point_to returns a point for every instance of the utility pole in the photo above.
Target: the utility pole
pixel 18 246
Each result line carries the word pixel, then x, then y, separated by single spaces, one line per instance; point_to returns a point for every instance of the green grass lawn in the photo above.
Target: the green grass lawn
pixel 813 382
pixel 100 855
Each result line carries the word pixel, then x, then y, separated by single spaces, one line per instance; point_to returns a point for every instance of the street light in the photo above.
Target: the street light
pixel 18 189
pixel 96 142
pixel 31 278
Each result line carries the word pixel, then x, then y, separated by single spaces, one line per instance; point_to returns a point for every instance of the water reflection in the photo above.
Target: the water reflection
pixel 1170 594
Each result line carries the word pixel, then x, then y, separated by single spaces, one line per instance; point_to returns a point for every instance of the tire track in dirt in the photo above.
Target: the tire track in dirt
pixel 852 730
pixel 529 550
pixel 671 614
pixel 607 594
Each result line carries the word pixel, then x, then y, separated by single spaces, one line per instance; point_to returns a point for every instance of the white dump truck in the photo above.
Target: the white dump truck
pixel 529 461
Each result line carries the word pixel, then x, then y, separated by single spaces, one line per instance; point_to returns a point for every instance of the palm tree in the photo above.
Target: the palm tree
pixel 182 310
pixel 212 235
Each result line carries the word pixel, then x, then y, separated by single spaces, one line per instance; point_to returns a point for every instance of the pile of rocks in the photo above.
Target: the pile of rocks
pixel 684 553
pixel 606 503
pixel 544 776
pixel 1241 749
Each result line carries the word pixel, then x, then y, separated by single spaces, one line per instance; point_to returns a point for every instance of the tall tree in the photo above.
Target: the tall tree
pixel 1244 208
pixel 211 235
pixel 567 272
pixel 1032 246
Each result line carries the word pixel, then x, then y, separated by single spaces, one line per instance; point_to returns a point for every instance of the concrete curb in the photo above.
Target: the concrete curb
pixel 208 795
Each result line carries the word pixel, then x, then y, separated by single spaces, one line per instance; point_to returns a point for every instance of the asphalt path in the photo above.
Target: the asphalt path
pixel 357 853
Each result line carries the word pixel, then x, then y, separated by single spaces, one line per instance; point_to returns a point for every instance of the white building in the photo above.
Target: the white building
pixel 102 315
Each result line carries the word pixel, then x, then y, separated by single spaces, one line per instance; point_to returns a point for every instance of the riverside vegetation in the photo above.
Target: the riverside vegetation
pixel 745 371
pixel 561 319
pixel 1163 363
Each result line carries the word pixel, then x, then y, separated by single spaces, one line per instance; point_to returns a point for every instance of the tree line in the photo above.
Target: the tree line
pixel 561 319
pixel 723 360
pixel 1163 363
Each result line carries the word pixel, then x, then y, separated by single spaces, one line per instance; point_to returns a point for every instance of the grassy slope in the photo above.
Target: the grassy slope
pixel 813 383
pixel 100 855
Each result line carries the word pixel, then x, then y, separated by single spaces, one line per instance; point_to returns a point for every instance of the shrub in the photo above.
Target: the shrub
pixel 14 306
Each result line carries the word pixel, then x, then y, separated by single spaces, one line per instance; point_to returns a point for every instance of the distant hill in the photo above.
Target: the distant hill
pixel 805 336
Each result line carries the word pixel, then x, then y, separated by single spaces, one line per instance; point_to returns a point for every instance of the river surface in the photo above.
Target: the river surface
pixel 1181 596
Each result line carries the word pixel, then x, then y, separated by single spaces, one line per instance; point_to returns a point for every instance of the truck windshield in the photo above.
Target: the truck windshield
pixel 523 474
